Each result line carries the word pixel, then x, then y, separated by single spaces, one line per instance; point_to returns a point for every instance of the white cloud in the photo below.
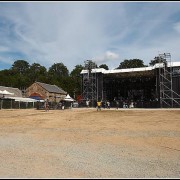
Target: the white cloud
pixel 56 33
pixel 4 49
pixel 72 32
pixel 177 27
pixel 6 60
pixel 107 57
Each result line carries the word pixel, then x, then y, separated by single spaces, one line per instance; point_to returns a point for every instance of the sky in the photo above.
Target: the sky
pixel 73 32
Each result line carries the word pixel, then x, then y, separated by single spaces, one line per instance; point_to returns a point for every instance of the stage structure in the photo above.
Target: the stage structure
pixel 89 87
pixel 155 86
pixel 168 97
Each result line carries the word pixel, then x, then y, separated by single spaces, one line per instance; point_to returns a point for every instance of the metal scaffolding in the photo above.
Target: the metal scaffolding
pixel 89 82
pixel 168 97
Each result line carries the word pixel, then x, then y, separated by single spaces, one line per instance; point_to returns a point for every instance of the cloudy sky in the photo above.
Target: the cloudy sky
pixel 72 32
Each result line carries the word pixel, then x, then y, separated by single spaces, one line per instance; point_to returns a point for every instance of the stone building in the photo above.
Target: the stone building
pixel 44 91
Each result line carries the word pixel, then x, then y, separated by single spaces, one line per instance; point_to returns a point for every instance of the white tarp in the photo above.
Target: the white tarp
pixel 21 99
pixel 68 98
pixel 5 92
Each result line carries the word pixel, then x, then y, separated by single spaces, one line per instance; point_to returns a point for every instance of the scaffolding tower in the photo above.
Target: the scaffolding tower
pixel 89 82
pixel 168 97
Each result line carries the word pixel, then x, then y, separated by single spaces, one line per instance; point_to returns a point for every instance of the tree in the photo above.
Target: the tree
pixel 20 74
pixel 89 64
pixel 76 79
pixel 5 78
pixel 58 74
pixel 76 71
pixel 132 63
pixel 58 70
pixel 20 66
pixel 37 72
pixel 37 68
pixel 104 66
pixel 157 59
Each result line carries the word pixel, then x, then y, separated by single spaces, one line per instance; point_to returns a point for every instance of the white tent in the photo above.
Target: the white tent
pixel 5 92
pixel 22 99
pixel 68 98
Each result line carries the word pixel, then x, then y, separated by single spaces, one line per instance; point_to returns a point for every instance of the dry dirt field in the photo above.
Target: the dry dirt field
pixel 84 143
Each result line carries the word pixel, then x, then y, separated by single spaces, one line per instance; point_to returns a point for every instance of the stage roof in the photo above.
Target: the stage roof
pixel 142 69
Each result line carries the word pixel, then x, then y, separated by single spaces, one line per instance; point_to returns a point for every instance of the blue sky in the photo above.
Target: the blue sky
pixel 72 32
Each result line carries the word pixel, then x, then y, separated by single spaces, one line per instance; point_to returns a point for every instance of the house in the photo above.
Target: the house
pixel 15 91
pixel 44 91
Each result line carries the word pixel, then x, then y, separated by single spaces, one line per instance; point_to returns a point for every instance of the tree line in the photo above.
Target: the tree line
pixel 21 75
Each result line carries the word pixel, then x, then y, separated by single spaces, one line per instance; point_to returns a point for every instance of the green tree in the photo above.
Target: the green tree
pixel 11 79
pixel 58 74
pixel 58 70
pixel 89 64
pixel 76 80
pixel 5 77
pixel 37 73
pixel 104 66
pixel 76 71
pixel 20 74
pixel 132 63
pixel 157 59
pixel 20 66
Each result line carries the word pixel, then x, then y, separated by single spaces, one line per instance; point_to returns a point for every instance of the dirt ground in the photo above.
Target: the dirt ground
pixel 84 143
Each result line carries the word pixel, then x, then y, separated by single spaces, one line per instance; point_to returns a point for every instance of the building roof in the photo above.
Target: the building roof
pixel 52 88
pixel 16 92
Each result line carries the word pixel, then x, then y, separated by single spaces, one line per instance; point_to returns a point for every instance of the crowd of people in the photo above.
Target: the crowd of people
pixel 99 104
pixel 116 104
pixel 61 105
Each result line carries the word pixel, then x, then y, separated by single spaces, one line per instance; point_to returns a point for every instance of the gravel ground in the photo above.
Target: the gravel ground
pixel 84 143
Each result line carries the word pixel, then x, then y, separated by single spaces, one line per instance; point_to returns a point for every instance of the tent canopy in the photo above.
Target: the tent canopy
pixel 68 98
pixel 5 92
pixel 21 99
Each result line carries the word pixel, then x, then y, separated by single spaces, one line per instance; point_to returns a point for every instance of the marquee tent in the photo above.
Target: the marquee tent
pixel 22 99
pixel 68 98
pixel 5 92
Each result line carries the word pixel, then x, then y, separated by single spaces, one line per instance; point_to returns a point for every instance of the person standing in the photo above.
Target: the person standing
pixel 131 104
pixel 98 105
pixel 71 105
pixel 87 103
pixel 108 105
pixel 63 106
pixel 46 105
pixel 117 104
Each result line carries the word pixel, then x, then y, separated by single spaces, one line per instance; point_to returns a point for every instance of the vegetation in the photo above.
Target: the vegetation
pixel 157 59
pixel 131 63
pixel 104 66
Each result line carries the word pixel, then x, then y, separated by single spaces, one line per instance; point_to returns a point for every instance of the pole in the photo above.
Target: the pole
pixel 1 103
